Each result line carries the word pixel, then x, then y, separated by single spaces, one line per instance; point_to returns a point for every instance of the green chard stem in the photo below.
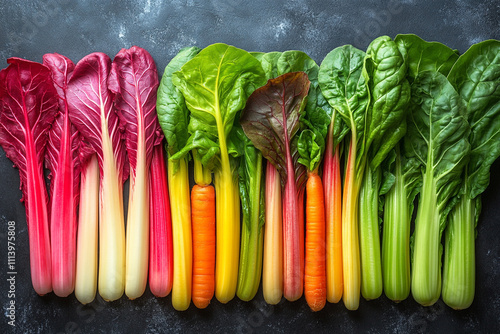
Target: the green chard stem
pixel 459 272
pixel 426 272
pixel 252 238
pixel 369 237
pixel 396 239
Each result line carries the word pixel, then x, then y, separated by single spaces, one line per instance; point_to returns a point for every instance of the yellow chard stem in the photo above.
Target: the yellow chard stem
pixel 136 264
pixel 227 232
pixel 202 175
pixel 86 264
pixel 178 184
pixel 227 212
pixel 350 238
pixel 111 225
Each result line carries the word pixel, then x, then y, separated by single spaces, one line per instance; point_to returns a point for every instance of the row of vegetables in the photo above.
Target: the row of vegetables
pixel 315 163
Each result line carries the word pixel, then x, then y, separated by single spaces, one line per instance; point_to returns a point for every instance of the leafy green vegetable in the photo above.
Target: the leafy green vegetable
pixel 405 173
pixel 422 56
pixel 315 118
pixel 344 87
pixel 171 106
pixel 269 62
pixel 216 84
pixel 398 210
pixel 385 74
pixel 271 121
pixel 174 117
pixel 437 139
pixel 251 188
pixel 476 77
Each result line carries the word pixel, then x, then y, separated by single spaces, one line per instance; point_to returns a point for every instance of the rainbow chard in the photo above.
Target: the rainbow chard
pixel 271 126
pixel 251 187
pixel 62 160
pixel 370 92
pixel 438 139
pixel 215 85
pixel 344 87
pixel 92 112
pixel 398 201
pixel 88 217
pixel 134 81
pixel 272 272
pixel 385 75
pixel 28 101
pixel 161 265
pixel 332 180
pixel 476 77
pixel 275 64
pixel 174 118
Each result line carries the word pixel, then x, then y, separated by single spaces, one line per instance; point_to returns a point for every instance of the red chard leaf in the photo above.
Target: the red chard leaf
pixel 91 107
pixel 28 106
pixel 64 164
pixel 134 81
pixel 271 120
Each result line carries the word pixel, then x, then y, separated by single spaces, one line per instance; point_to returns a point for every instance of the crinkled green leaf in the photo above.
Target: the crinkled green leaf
pixel 269 62
pixel 437 135
pixel 310 151
pixel 344 88
pixel 216 84
pixel 476 77
pixel 206 146
pixel 388 177
pixel 422 56
pixel 311 143
pixel 170 105
pixel 385 74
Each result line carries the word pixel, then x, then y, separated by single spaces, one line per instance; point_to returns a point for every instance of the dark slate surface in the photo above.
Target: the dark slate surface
pixel 29 29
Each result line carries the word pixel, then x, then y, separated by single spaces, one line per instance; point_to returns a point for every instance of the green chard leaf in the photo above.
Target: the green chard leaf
pixel 422 56
pixel 437 139
pixel 437 134
pixel 344 88
pixel 216 84
pixel 476 77
pixel 170 105
pixel 269 62
pixel 385 74
pixel 385 124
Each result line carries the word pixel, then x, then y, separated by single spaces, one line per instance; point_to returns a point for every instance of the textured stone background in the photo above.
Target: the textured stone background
pixel 29 29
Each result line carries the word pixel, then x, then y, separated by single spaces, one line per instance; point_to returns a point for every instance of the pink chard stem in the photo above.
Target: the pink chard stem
pixel 160 244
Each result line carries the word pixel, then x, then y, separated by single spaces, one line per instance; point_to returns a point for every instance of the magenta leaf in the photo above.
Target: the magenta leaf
pixel 134 80
pixel 28 106
pixel 61 69
pixel 64 164
pixel 90 105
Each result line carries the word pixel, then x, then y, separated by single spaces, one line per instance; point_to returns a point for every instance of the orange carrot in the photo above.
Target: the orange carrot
pixel 203 224
pixel 315 266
